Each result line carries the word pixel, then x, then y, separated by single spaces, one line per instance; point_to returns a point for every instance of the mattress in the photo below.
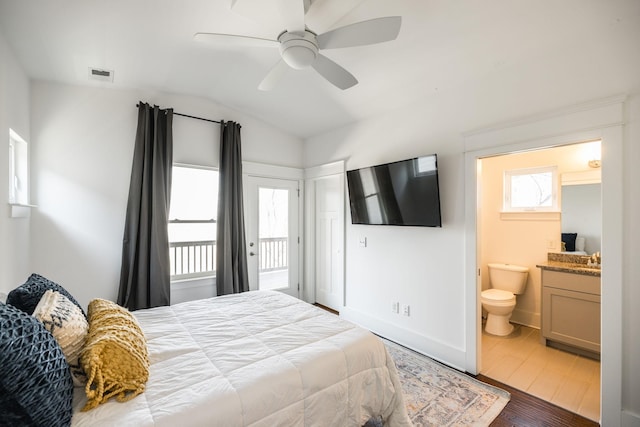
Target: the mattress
pixel 259 358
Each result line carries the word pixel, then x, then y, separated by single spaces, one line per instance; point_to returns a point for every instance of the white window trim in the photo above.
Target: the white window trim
pixel 18 170
pixel 12 168
pixel 506 205
pixel 18 198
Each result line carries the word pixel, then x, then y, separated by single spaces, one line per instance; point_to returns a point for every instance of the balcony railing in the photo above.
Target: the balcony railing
pixel 272 254
pixel 192 259
pixel 198 259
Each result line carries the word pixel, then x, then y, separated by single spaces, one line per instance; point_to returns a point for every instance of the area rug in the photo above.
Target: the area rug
pixel 437 395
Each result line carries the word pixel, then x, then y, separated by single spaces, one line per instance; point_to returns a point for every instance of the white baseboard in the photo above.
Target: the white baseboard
pixel 630 420
pixel 526 318
pixel 439 351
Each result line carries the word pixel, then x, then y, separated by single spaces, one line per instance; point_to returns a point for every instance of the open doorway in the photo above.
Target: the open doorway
pixel 523 236
pixel 601 119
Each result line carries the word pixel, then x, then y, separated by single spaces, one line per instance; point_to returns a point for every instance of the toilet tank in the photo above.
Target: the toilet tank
pixel 508 277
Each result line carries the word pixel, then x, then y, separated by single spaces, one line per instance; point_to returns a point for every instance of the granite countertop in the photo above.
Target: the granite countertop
pixel 569 267
pixel 569 263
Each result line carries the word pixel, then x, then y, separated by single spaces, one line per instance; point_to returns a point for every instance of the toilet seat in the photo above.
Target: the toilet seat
pixel 498 296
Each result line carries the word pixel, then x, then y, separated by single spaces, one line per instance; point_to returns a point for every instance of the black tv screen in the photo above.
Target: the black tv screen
pixel 398 193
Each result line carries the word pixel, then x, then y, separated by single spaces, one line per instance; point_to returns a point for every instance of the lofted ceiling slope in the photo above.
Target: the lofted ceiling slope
pixel 442 45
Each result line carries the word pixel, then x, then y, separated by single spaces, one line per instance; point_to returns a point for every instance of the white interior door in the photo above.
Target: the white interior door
pixel 271 220
pixel 329 237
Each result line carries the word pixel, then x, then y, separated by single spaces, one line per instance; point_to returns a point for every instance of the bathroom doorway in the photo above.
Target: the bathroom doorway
pixel 600 119
pixel 524 238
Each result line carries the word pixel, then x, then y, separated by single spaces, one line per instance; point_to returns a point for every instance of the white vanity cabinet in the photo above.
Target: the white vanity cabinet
pixel 571 309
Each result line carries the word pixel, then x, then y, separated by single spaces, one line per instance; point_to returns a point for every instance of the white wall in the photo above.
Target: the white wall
pixel 14 114
pixel 424 267
pixel 83 146
pixel 631 272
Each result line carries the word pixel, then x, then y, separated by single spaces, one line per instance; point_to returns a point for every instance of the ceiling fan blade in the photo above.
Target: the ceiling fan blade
pixel 324 14
pixel 373 31
pixel 306 5
pixel 274 76
pixel 227 39
pixel 334 73
pixel 293 14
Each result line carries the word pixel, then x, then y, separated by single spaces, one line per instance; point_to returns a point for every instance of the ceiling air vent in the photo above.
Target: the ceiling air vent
pixel 101 75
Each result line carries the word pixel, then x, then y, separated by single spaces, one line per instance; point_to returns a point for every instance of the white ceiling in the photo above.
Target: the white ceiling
pixel 443 45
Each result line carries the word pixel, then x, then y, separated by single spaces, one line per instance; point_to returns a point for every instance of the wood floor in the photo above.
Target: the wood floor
pixel 524 410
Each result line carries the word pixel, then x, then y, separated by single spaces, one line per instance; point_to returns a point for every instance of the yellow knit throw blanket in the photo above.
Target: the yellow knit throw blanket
pixel 115 356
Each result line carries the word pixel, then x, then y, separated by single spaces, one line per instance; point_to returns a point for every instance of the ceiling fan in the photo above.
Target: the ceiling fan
pixel 300 47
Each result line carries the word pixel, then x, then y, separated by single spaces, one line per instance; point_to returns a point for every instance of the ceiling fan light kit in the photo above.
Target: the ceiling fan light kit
pixel 300 47
pixel 299 51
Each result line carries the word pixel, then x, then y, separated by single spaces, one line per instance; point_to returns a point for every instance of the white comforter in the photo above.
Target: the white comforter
pixel 256 359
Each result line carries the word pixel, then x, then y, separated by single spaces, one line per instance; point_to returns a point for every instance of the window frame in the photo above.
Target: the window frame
pixel 507 207
pixel 12 170
pixel 18 184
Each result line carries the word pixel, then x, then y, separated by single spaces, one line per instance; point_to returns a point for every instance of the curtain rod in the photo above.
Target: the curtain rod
pixel 191 117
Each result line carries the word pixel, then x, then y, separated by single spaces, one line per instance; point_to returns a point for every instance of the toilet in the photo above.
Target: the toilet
pixel 506 281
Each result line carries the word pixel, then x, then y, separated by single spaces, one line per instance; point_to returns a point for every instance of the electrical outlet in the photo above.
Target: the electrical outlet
pixel 406 310
pixel 395 307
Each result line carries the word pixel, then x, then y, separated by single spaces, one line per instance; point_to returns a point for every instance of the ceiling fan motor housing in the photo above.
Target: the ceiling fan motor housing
pixel 298 50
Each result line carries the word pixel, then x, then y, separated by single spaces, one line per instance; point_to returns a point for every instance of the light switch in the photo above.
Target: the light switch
pixel 363 242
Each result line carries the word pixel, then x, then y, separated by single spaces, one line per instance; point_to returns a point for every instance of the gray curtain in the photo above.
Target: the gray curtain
pixel 145 276
pixel 231 259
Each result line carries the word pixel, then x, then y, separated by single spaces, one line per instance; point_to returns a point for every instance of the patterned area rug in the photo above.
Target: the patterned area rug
pixel 436 395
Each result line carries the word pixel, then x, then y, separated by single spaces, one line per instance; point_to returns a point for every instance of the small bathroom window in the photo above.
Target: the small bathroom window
pixel 531 190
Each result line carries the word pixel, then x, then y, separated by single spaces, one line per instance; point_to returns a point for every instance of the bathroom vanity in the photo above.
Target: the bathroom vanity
pixel 571 305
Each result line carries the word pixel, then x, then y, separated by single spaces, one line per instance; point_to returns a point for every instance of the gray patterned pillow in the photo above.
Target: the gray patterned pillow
pixel 36 388
pixel 67 324
pixel 26 296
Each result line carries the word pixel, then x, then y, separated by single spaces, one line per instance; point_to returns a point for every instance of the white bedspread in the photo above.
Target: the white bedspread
pixel 256 359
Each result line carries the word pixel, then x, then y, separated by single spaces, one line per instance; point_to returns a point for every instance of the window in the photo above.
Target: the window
pixel 527 190
pixel 18 170
pixel 192 222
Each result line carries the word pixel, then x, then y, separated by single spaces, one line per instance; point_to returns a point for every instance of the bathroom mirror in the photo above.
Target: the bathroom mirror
pixel 582 208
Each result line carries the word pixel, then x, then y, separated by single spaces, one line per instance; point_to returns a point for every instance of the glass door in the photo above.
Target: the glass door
pixel 271 213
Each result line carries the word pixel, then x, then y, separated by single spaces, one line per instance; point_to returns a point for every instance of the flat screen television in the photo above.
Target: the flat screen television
pixel 398 193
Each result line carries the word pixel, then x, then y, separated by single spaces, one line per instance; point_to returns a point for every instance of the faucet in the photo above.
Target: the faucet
pixel 594 260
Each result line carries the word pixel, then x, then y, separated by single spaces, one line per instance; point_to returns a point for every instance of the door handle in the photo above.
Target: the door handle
pixel 251 254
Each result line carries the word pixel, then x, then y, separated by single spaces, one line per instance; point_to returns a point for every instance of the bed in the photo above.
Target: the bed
pixel 260 358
